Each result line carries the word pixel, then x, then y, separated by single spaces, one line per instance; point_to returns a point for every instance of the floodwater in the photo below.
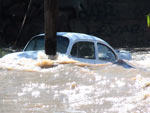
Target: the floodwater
pixel 70 87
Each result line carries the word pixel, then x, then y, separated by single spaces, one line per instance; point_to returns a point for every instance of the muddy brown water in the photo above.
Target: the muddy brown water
pixel 71 88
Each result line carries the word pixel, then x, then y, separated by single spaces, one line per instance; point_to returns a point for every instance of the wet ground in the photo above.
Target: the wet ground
pixel 70 87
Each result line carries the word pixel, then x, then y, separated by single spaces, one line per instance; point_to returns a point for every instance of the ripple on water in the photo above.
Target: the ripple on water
pixel 72 87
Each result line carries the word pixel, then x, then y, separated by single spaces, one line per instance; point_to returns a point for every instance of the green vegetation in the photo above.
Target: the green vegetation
pixel 148 20
pixel 4 51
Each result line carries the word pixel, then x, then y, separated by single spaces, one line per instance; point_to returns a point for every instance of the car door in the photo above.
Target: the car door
pixel 83 51
pixel 105 54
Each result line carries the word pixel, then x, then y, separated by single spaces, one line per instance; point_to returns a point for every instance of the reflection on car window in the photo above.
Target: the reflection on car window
pixel 38 44
pixel 83 50
pixel 62 44
pixel 30 46
pixel 105 53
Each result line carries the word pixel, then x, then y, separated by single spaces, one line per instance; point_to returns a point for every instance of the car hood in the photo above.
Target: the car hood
pixel 24 54
pixel 29 55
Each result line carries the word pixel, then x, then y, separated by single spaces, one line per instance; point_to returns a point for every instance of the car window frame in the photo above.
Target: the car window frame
pixel 77 41
pixel 110 48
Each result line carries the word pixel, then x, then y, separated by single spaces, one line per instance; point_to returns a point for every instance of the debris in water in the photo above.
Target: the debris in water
pixel 83 64
pixel 146 85
pixel 146 96
pixel 67 62
pixel 73 85
pixel 45 63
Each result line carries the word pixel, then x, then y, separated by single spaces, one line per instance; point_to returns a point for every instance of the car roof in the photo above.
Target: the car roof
pixel 77 36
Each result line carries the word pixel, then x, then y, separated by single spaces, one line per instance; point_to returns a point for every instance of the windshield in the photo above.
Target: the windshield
pixel 38 43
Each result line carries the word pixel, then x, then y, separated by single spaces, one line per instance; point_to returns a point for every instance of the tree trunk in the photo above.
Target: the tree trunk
pixel 50 12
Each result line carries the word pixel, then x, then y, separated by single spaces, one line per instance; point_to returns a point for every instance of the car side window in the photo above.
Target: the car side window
pixel 105 53
pixel 83 50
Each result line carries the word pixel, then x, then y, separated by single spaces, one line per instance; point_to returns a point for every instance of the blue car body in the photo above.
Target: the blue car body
pixel 76 46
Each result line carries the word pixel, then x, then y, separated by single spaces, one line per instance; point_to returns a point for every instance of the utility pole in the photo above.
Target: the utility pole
pixel 50 18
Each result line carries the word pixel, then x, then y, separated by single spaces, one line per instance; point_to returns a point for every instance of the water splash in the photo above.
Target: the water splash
pixel 73 87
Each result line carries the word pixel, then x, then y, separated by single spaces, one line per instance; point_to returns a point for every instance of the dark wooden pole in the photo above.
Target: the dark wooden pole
pixel 50 12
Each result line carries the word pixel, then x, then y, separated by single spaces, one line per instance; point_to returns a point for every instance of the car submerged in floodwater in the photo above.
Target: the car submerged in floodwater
pixel 77 46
